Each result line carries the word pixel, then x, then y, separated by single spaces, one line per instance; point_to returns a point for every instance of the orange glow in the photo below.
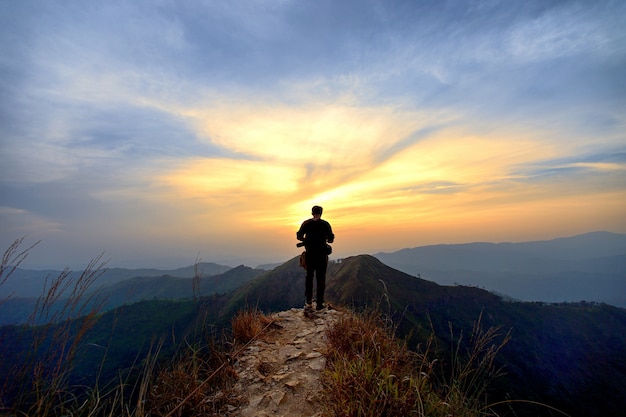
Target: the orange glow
pixel 381 189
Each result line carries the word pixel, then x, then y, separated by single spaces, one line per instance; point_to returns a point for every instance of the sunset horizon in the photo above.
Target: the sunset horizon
pixel 171 131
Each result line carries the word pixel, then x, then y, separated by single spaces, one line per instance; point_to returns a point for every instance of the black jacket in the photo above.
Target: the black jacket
pixel 315 234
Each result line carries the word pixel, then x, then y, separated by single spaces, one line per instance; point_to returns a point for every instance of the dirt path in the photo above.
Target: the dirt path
pixel 280 375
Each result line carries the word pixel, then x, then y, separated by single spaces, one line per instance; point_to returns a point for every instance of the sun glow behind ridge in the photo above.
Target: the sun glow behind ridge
pixel 366 166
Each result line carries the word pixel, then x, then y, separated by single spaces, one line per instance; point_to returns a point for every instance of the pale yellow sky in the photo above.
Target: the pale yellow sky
pixel 381 189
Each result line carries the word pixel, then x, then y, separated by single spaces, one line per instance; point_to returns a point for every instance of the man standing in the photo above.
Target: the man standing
pixel 315 233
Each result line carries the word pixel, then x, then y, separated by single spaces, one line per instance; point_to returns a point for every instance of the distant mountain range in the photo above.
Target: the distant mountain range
pixel 118 287
pixel 30 283
pixel 590 267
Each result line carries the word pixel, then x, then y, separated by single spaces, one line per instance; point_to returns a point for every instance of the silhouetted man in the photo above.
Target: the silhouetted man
pixel 315 233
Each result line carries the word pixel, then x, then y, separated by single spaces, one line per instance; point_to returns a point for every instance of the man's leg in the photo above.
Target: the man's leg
pixel 320 274
pixel 308 282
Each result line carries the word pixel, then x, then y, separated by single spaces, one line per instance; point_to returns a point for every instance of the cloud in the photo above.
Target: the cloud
pixel 17 223
pixel 185 125
pixel 559 33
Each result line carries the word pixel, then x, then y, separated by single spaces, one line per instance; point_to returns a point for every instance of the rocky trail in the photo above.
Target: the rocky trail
pixel 279 374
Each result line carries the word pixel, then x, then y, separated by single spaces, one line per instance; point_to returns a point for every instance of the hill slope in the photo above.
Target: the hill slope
pixel 566 350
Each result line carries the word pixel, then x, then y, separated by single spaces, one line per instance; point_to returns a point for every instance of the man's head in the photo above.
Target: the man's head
pixel 317 211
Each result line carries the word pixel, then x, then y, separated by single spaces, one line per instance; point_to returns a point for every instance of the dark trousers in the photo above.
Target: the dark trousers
pixel 316 264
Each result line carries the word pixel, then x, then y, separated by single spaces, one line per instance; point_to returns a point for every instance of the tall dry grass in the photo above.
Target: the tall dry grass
pixel 38 382
pixel 371 372
pixel 472 366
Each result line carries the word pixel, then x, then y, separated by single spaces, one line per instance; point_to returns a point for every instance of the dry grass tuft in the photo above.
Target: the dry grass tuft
pixel 196 384
pixel 248 324
pixel 38 382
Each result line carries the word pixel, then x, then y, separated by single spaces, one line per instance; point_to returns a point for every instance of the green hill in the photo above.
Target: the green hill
pixel 566 355
pixel 117 344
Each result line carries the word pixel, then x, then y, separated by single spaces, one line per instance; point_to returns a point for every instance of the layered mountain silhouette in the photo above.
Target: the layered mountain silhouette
pixel 567 355
pixel 116 289
pixel 29 283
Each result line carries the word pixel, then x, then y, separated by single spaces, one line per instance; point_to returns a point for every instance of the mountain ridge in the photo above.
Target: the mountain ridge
pixel 31 281
pixel 589 267
pixel 18 310
pixel 565 349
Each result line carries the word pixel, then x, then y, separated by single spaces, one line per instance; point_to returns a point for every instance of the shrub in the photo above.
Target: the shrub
pixel 248 324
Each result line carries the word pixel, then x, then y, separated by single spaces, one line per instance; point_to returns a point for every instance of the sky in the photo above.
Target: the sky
pixel 160 132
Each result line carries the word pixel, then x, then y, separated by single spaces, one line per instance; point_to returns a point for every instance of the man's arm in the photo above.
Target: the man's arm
pixel 330 238
pixel 300 233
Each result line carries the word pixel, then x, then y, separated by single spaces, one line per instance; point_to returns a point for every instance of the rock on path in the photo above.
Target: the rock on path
pixel 280 374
